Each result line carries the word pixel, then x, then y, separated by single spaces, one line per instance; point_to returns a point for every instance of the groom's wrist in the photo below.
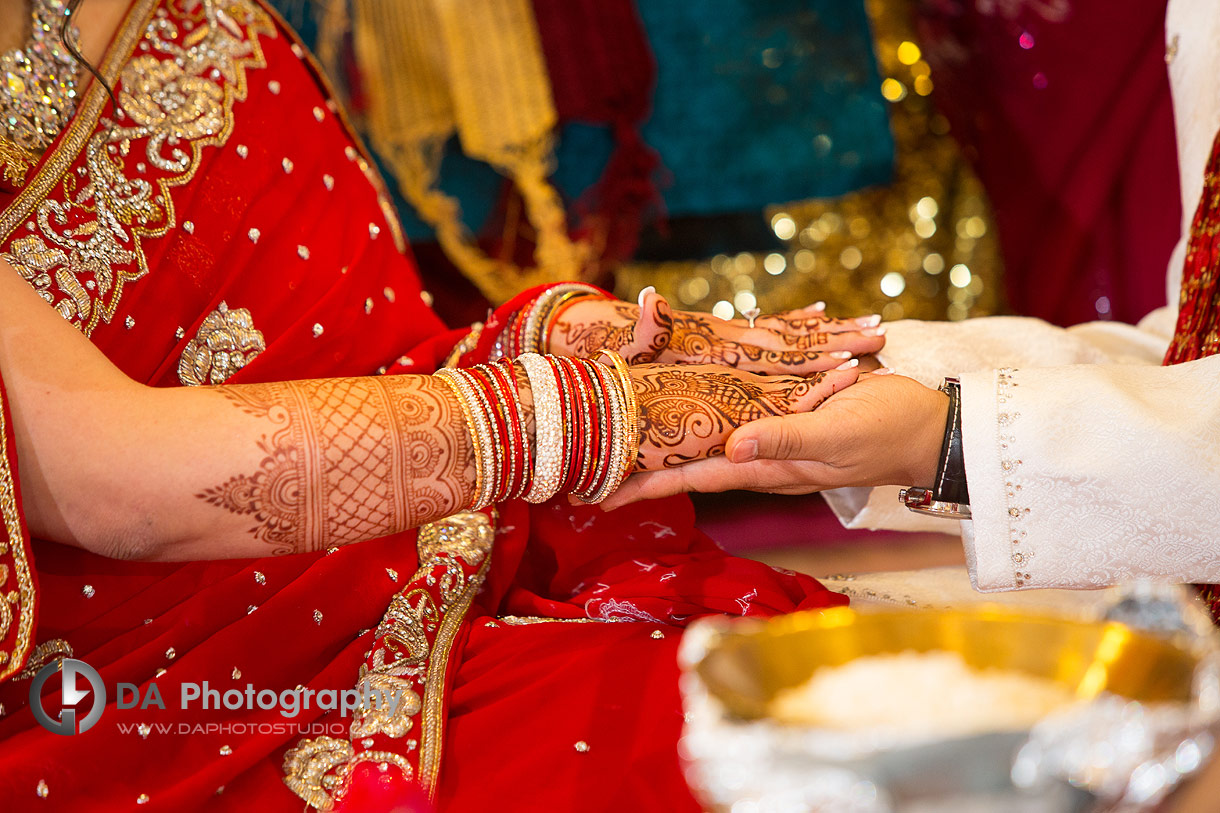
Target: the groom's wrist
pixel 927 440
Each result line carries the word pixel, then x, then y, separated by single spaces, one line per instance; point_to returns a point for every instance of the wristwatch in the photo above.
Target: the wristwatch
pixel 949 497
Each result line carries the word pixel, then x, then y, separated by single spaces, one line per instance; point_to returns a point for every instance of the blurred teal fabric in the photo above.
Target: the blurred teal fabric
pixel 757 102
pixel 764 101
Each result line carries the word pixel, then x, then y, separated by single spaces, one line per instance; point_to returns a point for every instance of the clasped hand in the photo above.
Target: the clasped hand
pixel 720 378
pixel 797 342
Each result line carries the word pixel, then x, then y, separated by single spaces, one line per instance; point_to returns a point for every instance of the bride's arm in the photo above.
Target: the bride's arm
pixel 132 471
pixel 211 472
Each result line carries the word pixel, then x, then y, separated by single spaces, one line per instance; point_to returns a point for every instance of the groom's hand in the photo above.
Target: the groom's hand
pixel 884 430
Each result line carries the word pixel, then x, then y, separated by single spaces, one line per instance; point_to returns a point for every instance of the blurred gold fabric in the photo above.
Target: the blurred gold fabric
pixel 434 68
pixel 922 247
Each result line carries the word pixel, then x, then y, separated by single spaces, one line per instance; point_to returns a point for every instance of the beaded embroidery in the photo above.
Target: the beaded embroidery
pixel 177 97
pixel 409 657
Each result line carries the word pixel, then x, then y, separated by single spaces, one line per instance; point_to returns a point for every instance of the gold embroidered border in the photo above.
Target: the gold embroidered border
pixel 80 129
pixel 432 727
pixel 14 548
pixel 101 204
pixel 410 656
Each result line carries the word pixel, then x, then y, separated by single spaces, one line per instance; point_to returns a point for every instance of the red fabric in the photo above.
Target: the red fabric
pixel 1198 329
pixel 602 71
pixel 1064 109
pixel 212 620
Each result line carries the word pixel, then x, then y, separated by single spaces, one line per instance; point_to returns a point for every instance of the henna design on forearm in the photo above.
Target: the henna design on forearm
pixel 688 414
pixel 348 459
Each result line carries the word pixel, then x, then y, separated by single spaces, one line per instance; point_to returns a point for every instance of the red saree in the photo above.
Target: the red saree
pixel 227 227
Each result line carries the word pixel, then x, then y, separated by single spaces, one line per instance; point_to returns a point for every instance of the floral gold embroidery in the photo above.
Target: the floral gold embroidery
pixel 52 651
pixel 226 341
pixel 317 770
pixel 379 720
pixel 410 657
pixel 89 226
pixel 14 162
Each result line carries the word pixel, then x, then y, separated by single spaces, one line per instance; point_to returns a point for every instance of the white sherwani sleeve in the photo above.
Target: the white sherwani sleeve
pixel 1096 360
pixel 1086 475
pixel 1074 448
pixel 1087 462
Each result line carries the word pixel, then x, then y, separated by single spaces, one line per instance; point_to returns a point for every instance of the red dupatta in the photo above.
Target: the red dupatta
pixel 228 227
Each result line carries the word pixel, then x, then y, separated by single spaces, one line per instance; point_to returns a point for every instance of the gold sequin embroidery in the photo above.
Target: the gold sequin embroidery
pixel 88 226
pixel 410 658
pixel 16 578
pixel 225 342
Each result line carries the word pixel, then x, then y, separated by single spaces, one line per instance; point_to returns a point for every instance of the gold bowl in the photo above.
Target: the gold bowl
pixel 746 664
pixel 733 752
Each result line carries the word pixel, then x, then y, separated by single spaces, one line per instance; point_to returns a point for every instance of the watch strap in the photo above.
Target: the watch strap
pixel 950 486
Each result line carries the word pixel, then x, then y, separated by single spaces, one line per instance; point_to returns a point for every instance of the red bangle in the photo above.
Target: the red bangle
pixel 611 429
pixel 579 454
pixel 518 452
pixel 499 430
pixel 596 436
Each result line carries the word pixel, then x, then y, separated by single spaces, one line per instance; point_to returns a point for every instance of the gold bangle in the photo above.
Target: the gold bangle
pixel 536 320
pixel 474 427
pixel 632 410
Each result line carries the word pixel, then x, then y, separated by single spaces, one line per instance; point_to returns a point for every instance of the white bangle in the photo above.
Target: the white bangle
pixel 548 428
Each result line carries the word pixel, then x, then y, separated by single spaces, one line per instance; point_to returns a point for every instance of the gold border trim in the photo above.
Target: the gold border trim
pixel 21 563
pixel 455 556
pixel 80 129
pixel 432 724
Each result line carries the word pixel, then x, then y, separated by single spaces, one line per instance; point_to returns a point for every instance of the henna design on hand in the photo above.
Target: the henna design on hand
pixel 696 341
pixel 687 414
pixel 805 341
pixel 587 339
pixel 348 459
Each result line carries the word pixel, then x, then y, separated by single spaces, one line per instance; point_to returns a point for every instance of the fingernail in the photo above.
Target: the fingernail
pixel 819 305
pixel 884 371
pixel 645 292
pixel 840 354
pixel 873 331
pixel 869 321
pixel 847 365
pixel 745 451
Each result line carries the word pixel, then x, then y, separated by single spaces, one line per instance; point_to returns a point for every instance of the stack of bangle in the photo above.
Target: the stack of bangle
pixel 586 437
pixel 528 330
pixel 495 419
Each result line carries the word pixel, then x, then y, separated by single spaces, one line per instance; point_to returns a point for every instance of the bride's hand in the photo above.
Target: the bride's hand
pixel 885 430
pixel 688 412
pixel 796 342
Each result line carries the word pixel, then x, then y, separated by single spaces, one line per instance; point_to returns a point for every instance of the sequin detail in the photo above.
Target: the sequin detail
pixel 1009 464
pixel 87 244
pixel 225 342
